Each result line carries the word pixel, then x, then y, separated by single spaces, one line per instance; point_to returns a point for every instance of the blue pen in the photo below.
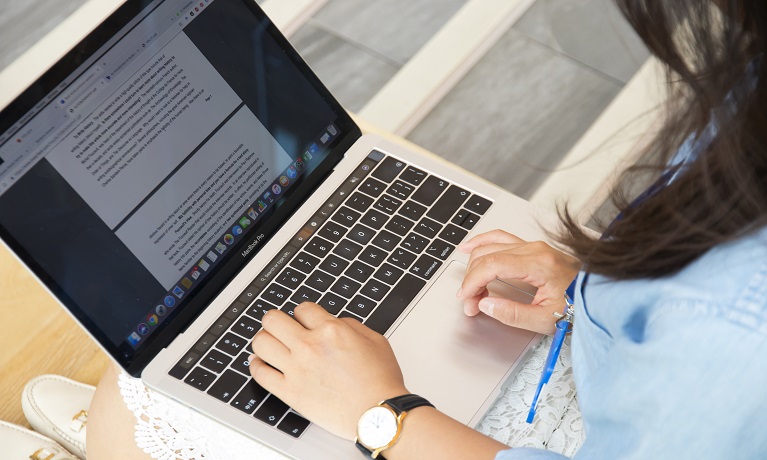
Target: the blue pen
pixel 564 325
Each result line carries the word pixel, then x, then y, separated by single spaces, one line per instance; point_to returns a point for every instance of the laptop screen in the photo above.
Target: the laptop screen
pixel 141 172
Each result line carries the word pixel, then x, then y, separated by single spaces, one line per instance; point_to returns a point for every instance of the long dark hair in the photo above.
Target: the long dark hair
pixel 712 51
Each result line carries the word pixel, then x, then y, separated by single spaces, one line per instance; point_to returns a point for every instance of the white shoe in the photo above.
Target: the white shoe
pixel 57 407
pixel 21 444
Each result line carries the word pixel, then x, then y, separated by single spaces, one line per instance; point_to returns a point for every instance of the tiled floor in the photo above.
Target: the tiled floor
pixel 523 105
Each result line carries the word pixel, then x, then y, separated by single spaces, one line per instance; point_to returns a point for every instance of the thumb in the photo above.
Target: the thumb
pixel 536 318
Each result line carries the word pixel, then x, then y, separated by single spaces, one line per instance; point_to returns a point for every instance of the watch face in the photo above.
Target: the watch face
pixel 377 427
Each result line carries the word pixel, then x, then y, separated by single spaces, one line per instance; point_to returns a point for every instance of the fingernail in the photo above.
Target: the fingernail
pixel 486 307
pixel 462 247
pixel 250 359
pixel 458 294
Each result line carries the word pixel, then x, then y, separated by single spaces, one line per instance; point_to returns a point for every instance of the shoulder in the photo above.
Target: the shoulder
pixel 728 283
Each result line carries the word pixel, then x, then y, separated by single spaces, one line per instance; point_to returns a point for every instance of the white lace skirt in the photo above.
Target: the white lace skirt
pixel 168 430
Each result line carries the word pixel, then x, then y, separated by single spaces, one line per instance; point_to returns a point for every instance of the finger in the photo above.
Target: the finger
pixel 265 375
pixel 487 269
pixel 493 236
pixel 282 327
pixel 534 318
pixel 311 315
pixel 471 305
pixel 270 350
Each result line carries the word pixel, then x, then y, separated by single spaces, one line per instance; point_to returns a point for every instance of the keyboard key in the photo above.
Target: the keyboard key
pixel 345 216
pixel 361 234
pixel 386 240
pixel 319 247
pixel 374 289
pixel 272 410
pixel 275 294
pixel 293 424
pixel 305 294
pixel 227 386
pixel 332 231
pixel 413 175
pixel 291 278
pixel 359 271
pixel 334 265
pixel 389 169
pixel 465 219
pixel 388 273
pixel 200 378
pixel 448 204
pixel 347 249
pixel 415 243
pixel 246 327
pixel 374 219
pixel 388 204
pixel 320 280
pixel 395 303
pixel 231 344
pixel 399 225
pixel 426 266
pixel 430 190
pixel 440 249
pixel 241 363
pixel 289 308
pixel 453 234
pixel 347 314
pixel 361 306
pixel 304 262
pixel 400 190
pixel 412 210
pixel 373 187
pixel 428 227
pixel 249 397
pixel 258 309
pixel 478 204
pixel 372 255
pixel 359 202
pixel 401 258
pixel 332 303
pixel 345 287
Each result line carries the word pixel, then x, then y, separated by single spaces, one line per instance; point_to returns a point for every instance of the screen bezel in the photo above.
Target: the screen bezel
pixel 134 361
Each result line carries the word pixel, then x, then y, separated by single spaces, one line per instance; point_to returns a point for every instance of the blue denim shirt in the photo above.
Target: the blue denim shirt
pixel 674 368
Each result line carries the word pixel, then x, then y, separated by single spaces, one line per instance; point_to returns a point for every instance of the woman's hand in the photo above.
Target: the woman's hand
pixel 501 255
pixel 330 370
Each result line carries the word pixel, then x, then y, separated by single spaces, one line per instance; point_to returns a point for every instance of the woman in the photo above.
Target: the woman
pixel 668 339
pixel 670 305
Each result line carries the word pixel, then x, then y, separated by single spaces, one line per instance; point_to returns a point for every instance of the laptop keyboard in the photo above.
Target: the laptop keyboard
pixel 366 254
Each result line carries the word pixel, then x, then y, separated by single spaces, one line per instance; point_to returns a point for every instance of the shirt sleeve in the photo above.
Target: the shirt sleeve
pixel 528 453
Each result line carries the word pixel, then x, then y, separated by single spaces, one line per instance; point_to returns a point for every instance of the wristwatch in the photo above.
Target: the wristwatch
pixel 380 426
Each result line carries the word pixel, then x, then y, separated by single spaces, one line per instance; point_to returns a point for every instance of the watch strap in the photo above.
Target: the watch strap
pixel 407 402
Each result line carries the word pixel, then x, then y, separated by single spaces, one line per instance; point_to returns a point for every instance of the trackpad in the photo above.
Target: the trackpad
pixel 451 359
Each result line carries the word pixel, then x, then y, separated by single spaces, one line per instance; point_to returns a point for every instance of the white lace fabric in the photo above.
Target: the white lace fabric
pixel 168 430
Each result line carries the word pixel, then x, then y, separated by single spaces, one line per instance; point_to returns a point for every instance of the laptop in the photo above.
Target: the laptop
pixel 182 171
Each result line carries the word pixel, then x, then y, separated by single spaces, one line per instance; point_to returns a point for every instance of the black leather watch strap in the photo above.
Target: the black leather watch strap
pixel 407 402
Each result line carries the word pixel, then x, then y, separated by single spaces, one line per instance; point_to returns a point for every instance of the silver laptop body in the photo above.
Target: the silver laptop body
pixel 165 91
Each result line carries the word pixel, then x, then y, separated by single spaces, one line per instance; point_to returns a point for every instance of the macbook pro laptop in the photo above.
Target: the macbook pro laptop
pixel 181 171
